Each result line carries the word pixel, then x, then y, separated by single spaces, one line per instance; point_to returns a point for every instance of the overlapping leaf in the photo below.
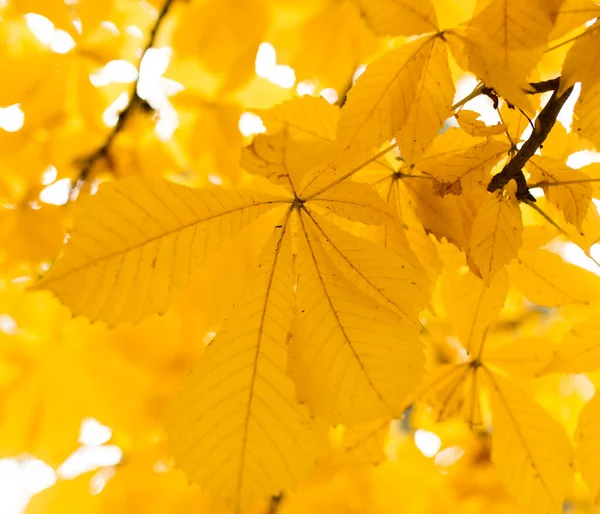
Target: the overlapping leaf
pixel 399 17
pixel 343 341
pixel 137 242
pixel 496 234
pixel 530 449
pixel 237 414
pixel 408 91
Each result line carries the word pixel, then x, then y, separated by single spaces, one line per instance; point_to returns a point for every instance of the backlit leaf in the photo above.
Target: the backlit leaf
pixel 237 414
pixel 138 241
pixel 496 234
pixel 530 449
pixel 399 17
pixel 338 371
pixel 396 93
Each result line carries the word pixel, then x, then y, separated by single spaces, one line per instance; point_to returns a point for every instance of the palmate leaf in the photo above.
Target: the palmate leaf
pixel 237 429
pixel 582 64
pixel 352 359
pixel 301 134
pixel 378 272
pixel 137 242
pixel 530 449
pixel 579 350
pixel 496 234
pixel 588 448
pixel 407 92
pixel 572 199
pixel 546 279
pixel 473 305
pixel 503 42
pixel 399 17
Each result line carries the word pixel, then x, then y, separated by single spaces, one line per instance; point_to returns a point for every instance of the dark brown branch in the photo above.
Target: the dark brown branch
pixel 543 125
pixel 135 102
pixel 544 86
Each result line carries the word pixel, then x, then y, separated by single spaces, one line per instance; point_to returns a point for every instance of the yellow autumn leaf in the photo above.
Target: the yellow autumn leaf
pixel 523 357
pixel 588 447
pixel 453 392
pixel 515 33
pixel 330 44
pixel 546 279
pixel 380 273
pixel 356 202
pixel 473 306
pixel 237 412
pixel 471 167
pixel 579 350
pixel 399 17
pixel 564 187
pixel 119 271
pixel 331 347
pixel 582 65
pixel 363 444
pixel 300 135
pixel 222 35
pixel 531 450
pixel 395 94
pixel 469 121
pixel 572 14
pixel 496 234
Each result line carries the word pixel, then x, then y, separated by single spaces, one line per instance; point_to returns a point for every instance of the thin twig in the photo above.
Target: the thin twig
pixel 134 102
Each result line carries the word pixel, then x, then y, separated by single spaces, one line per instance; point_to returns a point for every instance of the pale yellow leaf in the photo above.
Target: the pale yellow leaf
pixel 430 106
pixel 137 242
pixel 352 359
pixel 546 279
pixel 572 14
pixel 363 444
pixel 380 273
pixel 582 64
pixel 236 416
pixel 471 166
pixel 469 121
pixel 300 135
pixel 399 17
pixel 453 392
pixel 523 357
pixel 330 45
pixel 394 93
pixel 515 33
pixel 474 52
pixel 354 201
pixel 530 449
pixel 588 447
pixel 496 234
pixel 579 350
pixel 564 187
pixel 472 306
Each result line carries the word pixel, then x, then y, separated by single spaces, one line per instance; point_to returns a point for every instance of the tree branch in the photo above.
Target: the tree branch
pixel 135 101
pixel 543 125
